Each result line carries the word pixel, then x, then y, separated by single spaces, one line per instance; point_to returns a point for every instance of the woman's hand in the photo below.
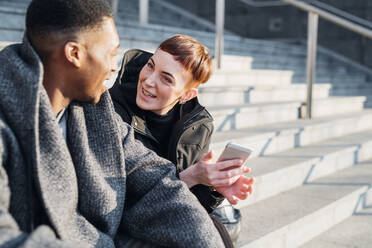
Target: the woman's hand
pixel 239 190
pixel 219 174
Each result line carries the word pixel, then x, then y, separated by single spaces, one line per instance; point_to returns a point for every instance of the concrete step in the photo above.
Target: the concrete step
pixel 278 137
pixel 299 66
pixel 292 218
pixel 259 61
pixel 335 105
pixel 19 5
pixel 11 35
pixel 11 19
pixel 292 168
pixel 368 102
pixel 211 96
pixel 233 44
pixel 234 117
pixel 355 231
pixel 165 14
pixel 335 79
pixel 358 90
pixel 253 77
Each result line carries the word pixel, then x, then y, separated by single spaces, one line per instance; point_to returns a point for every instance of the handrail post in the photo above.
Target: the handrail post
pixel 220 20
pixel 143 11
pixel 312 37
pixel 114 6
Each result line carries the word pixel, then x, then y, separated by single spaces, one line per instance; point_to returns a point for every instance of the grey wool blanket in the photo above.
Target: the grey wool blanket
pixel 91 190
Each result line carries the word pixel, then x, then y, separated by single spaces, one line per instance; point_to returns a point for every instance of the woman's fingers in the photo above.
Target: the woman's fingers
pixel 232 199
pixel 242 195
pixel 246 169
pixel 248 181
pixel 225 182
pixel 227 164
pixel 230 173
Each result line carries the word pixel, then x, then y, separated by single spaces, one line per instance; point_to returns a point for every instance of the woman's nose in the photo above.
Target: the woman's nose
pixel 149 81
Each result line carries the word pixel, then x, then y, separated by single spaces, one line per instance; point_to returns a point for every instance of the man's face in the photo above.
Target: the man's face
pixel 100 47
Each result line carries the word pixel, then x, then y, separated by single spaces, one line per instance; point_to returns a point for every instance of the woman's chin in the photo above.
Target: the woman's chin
pixel 144 105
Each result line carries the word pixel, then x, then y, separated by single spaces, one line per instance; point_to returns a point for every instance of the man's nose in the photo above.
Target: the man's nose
pixel 116 64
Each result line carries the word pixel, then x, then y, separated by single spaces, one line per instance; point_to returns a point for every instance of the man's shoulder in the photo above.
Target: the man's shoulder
pixel 10 52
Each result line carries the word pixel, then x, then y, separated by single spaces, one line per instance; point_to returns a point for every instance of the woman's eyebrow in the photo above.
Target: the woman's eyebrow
pixel 164 72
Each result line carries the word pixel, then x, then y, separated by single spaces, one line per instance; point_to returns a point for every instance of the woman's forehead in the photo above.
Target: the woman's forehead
pixel 166 62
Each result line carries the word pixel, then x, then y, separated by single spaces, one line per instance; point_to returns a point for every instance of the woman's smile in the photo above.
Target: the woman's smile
pixel 146 93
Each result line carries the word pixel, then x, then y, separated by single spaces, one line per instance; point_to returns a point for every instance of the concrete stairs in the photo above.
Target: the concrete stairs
pixel 353 232
pixel 162 13
pixel 313 177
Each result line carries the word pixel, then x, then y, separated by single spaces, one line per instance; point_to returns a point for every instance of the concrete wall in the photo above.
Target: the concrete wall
pixel 290 23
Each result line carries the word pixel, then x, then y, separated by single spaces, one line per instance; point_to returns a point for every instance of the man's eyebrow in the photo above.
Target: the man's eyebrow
pixel 164 72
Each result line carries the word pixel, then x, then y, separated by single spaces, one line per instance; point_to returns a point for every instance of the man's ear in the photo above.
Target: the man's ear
pixel 74 53
pixel 189 94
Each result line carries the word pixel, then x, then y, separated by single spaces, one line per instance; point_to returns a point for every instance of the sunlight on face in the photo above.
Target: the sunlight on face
pixel 162 83
pixel 101 48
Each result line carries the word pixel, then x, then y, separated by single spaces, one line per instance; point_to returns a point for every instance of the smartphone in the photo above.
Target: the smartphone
pixel 235 151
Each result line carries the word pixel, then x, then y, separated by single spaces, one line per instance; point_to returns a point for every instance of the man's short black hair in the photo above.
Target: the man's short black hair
pixel 50 16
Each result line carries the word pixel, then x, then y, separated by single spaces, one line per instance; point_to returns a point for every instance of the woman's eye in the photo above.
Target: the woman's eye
pixel 149 65
pixel 168 80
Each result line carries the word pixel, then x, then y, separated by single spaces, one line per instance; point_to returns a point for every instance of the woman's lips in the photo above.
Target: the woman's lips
pixel 146 93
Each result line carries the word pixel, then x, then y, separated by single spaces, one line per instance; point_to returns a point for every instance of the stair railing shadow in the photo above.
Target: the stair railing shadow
pixel 267 144
pixel 297 137
pixel 313 167
pixel 362 203
pixel 229 120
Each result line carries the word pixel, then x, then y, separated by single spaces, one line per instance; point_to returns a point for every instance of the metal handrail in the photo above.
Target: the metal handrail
pixel 314 13
pixel 327 7
pixel 332 18
pixel 341 13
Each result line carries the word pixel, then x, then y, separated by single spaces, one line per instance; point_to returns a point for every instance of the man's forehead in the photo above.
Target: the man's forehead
pixel 105 32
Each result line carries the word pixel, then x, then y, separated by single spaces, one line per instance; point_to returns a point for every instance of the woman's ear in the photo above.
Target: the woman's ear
pixel 188 95
pixel 74 53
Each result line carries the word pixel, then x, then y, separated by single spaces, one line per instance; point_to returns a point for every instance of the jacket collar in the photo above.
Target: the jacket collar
pixel 22 75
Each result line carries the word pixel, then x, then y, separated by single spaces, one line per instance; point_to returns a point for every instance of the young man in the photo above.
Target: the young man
pixel 71 173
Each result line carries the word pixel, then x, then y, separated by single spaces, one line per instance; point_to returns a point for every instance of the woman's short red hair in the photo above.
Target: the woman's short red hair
pixel 194 56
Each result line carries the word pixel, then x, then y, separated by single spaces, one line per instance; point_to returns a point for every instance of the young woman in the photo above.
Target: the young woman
pixel 157 95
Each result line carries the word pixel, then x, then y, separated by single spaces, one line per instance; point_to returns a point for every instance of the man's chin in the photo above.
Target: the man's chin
pixel 93 99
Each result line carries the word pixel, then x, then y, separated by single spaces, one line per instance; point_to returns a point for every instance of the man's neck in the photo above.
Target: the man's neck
pixel 56 97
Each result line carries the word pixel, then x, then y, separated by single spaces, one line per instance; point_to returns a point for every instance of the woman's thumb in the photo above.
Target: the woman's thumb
pixel 207 157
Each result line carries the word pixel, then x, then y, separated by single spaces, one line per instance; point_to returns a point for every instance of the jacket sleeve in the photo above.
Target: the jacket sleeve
pixel 190 155
pixel 159 208
pixel 10 234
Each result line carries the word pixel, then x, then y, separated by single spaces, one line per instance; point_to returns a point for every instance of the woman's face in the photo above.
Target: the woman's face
pixel 162 83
